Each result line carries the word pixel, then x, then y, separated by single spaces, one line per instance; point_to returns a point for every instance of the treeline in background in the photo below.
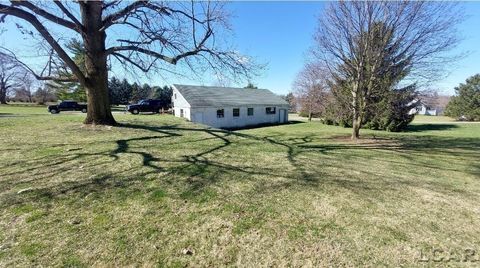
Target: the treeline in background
pixel 120 91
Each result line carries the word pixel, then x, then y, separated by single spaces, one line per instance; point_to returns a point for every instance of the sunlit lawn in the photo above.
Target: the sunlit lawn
pixel 161 191
pixel 433 119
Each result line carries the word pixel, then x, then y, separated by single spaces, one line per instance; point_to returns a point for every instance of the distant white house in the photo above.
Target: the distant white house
pixel 423 109
pixel 225 107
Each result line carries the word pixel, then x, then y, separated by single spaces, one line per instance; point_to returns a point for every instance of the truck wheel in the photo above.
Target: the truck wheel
pixel 84 110
pixel 134 111
pixel 53 111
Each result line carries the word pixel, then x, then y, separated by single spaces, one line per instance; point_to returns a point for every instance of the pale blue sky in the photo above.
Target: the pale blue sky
pixel 280 34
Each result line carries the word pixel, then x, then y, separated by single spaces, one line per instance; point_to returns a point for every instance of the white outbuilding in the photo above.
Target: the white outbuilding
pixel 226 107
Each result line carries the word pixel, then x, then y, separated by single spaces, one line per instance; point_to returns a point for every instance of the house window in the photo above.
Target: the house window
pixel 270 110
pixel 220 113
pixel 236 112
pixel 175 95
pixel 250 111
pixel 181 112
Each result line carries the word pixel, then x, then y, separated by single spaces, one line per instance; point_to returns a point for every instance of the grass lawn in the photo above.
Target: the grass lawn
pixel 433 119
pixel 162 191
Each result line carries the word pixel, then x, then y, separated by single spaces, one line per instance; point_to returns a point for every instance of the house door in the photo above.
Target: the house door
pixel 283 115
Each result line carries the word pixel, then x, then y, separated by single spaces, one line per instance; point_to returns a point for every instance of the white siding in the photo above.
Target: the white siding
pixel 423 110
pixel 179 102
pixel 208 116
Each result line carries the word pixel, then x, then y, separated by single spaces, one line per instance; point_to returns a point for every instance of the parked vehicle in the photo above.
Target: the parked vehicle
pixel 67 106
pixel 153 106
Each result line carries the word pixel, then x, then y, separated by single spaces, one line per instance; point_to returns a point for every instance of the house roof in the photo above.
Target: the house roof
pixel 206 96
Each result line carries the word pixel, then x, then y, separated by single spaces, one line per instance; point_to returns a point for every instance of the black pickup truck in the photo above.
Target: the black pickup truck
pixel 67 106
pixel 153 106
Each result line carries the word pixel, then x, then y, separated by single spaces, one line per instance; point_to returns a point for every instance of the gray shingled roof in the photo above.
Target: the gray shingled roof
pixel 203 96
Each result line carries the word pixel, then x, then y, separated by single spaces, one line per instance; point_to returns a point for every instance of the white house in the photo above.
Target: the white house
pixel 225 107
pixel 423 109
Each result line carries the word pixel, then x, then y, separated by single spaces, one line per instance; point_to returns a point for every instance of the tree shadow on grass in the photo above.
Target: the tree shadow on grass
pixel 202 169
pixel 292 122
pixel 430 127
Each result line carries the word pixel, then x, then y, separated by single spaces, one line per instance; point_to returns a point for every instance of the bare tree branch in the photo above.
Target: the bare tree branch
pixel 13 58
pixel 121 58
pixel 112 18
pixel 141 50
pixel 144 35
pixel 39 11
pixel 19 13
pixel 69 15
pixel 354 38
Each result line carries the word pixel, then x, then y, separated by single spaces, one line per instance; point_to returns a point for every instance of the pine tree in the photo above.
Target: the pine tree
pixel 466 104
pixel 380 104
pixel 164 94
pixel 71 90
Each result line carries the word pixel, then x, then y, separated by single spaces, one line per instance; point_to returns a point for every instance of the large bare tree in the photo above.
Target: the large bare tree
pixel 311 89
pixel 354 38
pixel 10 76
pixel 145 35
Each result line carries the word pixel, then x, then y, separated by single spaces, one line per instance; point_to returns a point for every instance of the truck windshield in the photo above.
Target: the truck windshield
pixel 145 102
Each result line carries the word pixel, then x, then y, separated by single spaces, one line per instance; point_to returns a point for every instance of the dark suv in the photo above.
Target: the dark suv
pixel 154 106
pixel 67 106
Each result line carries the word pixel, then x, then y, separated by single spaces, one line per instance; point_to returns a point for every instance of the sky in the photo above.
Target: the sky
pixel 279 34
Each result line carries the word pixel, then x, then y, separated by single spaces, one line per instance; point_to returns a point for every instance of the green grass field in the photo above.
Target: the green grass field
pixel 159 191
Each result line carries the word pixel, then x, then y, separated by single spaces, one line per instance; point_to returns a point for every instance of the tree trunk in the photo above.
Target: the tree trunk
pixel 310 116
pixel 356 125
pixel 3 96
pixel 96 72
pixel 356 122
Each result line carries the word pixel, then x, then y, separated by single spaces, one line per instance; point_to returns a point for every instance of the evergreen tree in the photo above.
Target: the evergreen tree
pixel 466 103
pixel 382 104
pixel 115 92
pixel 71 90
pixel 391 113
pixel 164 94
pixel 140 92
pixel 126 91
pixel 122 92
pixel 146 91
pixel 135 93
pixel 251 85
pixel 290 98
